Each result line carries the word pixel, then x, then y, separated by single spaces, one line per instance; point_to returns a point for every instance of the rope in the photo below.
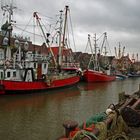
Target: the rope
pixel 118 136
pixel 102 129
pixel 72 31
pixel 117 128
pixel 81 134
pixel 95 119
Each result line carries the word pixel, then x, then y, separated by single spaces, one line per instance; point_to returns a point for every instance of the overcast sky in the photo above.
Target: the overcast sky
pixel 119 18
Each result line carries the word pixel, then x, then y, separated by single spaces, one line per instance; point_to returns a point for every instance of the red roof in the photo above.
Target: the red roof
pixel 55 51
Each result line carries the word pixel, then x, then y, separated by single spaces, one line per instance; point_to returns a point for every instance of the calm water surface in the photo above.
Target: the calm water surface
pixel 40 116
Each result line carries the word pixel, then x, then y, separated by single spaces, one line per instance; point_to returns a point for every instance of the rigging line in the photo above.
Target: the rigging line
pixel 52 28
pixel 4 17
pixel 55 26
pixel 103 43
pixel 106 43
pixel 27 31
pixel 67 39
pixel 49 32
pixel 31 25
pixel 34 31
pixel 2 20
pixel 87 45
pixel 44 26
pixel 53 38
pixel 45 16
pixel 42 36
pixel 47 23
pixel 72 31
pixel 99 37
pixel 26 26
pixel 109 47
pixel 68 34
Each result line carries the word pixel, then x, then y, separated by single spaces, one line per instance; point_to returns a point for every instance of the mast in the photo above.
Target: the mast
pixel 115 52
pixel 123 51
pixel 7 27
pixel 95 49
pixel 9 8
pixel 105 52
pixel 92 57
pixel 60 47
pixel 46 39
pixel 119 53
pixel 62 42
pixel 105 39
pixel 65 23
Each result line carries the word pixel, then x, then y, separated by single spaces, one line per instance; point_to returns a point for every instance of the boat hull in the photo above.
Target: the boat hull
pixel 23 87
pixel 95 76
pixel 121 76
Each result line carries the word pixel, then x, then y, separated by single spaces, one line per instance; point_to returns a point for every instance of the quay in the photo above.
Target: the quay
pixel 120 121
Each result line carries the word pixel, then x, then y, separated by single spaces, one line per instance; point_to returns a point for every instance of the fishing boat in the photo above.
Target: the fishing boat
pixel 121 76
pixel 96 74
pixel 120 121
pixel 133 75
pixel 23 71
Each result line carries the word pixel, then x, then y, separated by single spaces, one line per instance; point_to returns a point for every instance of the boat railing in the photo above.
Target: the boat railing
pixel 60 76
pixel 65 65
pixel 35 57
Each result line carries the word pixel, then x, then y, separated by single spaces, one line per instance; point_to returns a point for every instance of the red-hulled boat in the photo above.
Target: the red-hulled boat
pixel 96 76
pixel 10 86
pixel 25 71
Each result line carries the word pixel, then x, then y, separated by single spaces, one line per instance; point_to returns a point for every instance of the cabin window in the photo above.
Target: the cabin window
pixel 14 74
pixel 1 55
pixel 1 75
pixel 34 65
pixel 8 74
pixel 45 66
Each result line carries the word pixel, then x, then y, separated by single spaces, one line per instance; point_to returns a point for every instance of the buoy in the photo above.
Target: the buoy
pixel 108 111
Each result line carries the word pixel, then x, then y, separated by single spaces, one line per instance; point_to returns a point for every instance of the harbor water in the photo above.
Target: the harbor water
pixel 39 116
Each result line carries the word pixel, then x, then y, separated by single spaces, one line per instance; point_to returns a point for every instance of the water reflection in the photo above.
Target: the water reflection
pixel 40 116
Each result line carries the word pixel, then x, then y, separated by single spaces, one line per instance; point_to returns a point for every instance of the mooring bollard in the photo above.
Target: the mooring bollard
pixel 69 126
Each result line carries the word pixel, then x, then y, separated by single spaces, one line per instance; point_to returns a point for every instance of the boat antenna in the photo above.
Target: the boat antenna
pixel 9 8
pixel 60 34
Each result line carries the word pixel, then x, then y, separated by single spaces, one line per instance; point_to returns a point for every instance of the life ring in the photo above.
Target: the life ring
pixel 43 76
pixel 1 62
pixel 7 63
pixel 79 73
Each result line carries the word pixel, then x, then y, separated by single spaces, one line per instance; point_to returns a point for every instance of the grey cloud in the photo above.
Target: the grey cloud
pixel 120 18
